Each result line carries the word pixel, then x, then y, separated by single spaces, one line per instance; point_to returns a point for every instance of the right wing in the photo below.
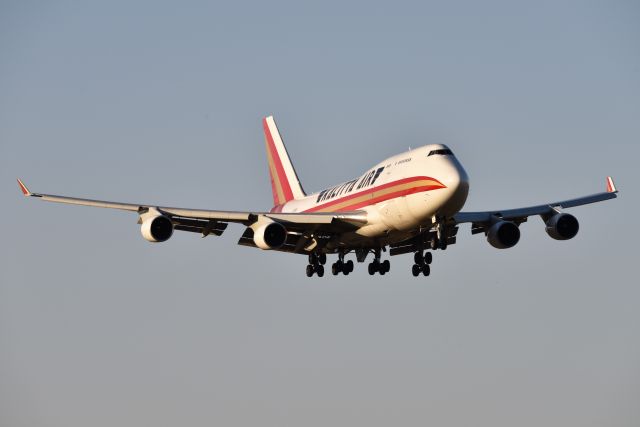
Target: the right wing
pixel 207 221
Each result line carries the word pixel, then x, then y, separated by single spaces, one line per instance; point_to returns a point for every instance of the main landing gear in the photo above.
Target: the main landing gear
pixel 317 261
pixel 376 266
pixel 341 266
pixel 422 262
pixel 316 264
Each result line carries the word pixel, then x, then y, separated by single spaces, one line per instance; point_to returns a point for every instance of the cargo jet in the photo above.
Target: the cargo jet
pixel 408 203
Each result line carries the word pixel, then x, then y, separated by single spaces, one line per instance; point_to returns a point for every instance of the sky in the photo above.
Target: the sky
pixel 161 102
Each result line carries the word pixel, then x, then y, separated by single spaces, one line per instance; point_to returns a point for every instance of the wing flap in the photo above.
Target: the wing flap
pixel 324 222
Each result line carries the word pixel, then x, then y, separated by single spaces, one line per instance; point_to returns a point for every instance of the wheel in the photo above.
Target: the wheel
pixel 335 268
pixel 426 270
pixel 415 270
pixel 443 245
pixel 372 269
pixel 322 258
pixel 309 270
pixel 428 257
pixel 348 266
pixel 313 258
pixel 320 270
pixel 385 266
pixel 418 258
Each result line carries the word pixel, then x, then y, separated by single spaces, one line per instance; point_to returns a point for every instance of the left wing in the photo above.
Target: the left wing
pixel 481 220
pixel 207 222
pixel 501 226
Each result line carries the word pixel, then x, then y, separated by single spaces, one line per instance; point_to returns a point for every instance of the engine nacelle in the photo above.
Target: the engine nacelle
pixel 562 226
pixel 156 228
pixel 269 234
pixel 503 235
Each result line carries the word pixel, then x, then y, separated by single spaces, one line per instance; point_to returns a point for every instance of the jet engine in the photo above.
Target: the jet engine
pixel 269 234
pixel 156 228
pixel 503 235
pixel 562 226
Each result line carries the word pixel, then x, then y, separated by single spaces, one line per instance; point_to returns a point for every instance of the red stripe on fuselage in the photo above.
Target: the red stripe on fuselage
pixel 399 193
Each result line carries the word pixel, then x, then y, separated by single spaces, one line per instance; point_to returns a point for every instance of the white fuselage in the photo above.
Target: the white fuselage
pixel 401 194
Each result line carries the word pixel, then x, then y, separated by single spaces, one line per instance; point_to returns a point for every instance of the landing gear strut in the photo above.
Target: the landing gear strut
pixel 341 266
pixel 422 262
pixel 316 264
pixel 439 239
pixel 376 266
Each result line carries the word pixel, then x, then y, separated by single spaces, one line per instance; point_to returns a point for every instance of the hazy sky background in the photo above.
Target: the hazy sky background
pixel 161 103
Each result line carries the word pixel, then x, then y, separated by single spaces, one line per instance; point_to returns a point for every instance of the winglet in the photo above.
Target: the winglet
pixel 611 187
pixel 24 188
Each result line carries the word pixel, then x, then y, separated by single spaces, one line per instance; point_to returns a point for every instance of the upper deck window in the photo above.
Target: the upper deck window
pixel 442 151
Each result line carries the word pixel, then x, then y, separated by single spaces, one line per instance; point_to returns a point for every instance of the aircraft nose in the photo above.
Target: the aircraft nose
pixel 454 176
pixel 457 182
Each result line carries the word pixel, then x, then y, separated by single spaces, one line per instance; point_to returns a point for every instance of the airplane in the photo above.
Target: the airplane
pixel 408 203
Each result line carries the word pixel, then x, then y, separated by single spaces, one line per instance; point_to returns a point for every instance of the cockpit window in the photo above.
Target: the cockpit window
pixel 442 151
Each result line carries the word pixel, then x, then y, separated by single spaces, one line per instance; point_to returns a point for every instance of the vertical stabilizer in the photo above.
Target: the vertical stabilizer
pixel 284 180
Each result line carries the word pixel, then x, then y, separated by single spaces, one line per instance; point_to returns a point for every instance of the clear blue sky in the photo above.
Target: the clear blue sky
pixel 160 102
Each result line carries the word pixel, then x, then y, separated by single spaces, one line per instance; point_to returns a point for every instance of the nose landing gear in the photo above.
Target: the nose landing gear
pixel 439 239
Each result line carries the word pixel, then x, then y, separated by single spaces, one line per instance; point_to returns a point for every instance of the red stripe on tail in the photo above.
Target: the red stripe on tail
pixel 279 182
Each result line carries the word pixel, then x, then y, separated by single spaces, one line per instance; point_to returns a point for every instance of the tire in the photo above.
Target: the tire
pixel 345 272
pixel 372 269
pixel 443 245
pixel 418 258
pixel 385 266
pixel 428 258
pixel 320 270
pixel 322 258
pixel 349 266
pixel 309 270
pixel 426 270
pixel 415 270
pixel 335 269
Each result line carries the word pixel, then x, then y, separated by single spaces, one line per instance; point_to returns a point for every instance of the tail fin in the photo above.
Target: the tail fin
pixel 284 180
